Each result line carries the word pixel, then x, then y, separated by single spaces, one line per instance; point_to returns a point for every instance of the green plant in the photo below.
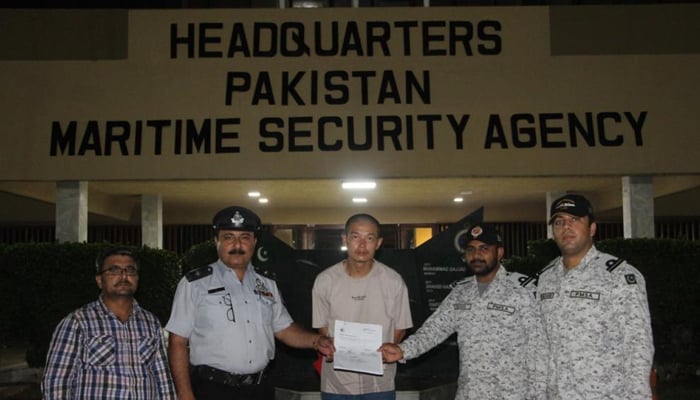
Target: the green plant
pixel 199 255
pixel 43 282
pixel 671 271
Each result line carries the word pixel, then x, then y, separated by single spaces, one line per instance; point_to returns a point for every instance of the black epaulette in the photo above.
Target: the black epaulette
pixel 460 283
pixel 523 280
pixel 613 263
pixel 536 276
pixel 199 273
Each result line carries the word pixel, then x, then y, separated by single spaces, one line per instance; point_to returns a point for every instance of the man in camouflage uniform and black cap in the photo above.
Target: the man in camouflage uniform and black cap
pixel 596 315
pixel 500 333
pixel 225 319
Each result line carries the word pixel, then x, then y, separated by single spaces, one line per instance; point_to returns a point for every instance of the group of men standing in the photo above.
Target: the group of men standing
pixel 585 334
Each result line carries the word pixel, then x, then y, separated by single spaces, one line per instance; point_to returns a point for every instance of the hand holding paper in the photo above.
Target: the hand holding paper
pixel 356 347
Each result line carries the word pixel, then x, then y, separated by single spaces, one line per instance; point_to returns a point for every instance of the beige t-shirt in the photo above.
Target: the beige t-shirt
pixel 380 298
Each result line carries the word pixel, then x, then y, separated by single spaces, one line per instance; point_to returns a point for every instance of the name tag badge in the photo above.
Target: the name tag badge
pixel 581 294
pixel 547 295
pixel 501 307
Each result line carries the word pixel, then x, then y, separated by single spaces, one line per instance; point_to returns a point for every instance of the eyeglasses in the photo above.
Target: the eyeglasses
pixel 130 270
pixel 230 315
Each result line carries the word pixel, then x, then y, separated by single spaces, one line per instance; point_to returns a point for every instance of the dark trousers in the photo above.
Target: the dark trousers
pixel 207 390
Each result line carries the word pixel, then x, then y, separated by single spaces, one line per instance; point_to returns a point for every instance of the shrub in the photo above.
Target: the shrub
pixel 43 282
pixel 199 255
pixel 670 268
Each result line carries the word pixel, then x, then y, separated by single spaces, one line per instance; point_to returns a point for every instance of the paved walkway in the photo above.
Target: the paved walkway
pixel 17 380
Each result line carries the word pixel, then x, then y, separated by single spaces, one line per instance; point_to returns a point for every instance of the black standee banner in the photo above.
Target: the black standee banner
pixel 429 271
pixel 441 263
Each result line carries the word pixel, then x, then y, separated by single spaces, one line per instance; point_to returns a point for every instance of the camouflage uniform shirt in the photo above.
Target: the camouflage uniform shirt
pixel 597 322
pixel 498 333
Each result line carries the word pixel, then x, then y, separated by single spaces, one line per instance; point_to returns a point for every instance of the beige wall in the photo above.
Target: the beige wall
pixel 133 79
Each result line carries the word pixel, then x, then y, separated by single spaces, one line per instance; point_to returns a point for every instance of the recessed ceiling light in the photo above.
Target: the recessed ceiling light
pixel 253 194
pixel 359 200
pixel 360 185
pixel 458 199
pixel 308 3
pixel 262 200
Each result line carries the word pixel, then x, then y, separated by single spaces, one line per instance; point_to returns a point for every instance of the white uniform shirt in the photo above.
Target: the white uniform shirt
pixel 230 324
pixel 502 354
pixel 597 320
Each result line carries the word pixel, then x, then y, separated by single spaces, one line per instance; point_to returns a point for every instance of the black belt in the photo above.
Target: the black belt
pixel 215 375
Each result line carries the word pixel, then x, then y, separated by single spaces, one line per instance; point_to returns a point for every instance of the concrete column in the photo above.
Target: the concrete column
pixel 638 207
pixel 152 221
pixel 308 238
pixel 551 196
pixel 71 211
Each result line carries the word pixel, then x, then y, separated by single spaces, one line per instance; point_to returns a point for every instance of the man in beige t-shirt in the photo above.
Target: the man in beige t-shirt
pixel 361 289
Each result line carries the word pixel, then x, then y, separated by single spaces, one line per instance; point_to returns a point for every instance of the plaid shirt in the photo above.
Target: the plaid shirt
pixel 93 355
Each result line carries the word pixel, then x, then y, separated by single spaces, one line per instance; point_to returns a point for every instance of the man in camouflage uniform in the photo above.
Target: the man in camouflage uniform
pixel 499 330
pixel 596 315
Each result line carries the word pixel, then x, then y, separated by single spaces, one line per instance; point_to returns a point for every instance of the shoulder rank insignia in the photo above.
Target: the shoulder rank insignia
pixel 613 263
pixel 534 279
pixel 199 273
pixel 459 282
pixel 549 266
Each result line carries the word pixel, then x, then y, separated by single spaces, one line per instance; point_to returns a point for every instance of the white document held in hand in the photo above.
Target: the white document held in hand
pixel 356 347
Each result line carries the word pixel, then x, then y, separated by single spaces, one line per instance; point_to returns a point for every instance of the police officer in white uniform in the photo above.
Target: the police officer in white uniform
pixel 596 315
pixel 225 318
pixel 499 329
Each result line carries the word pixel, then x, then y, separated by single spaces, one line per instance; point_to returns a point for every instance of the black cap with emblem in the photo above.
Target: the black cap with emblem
pixel 486 233
pixel 572 204
pixel 236 218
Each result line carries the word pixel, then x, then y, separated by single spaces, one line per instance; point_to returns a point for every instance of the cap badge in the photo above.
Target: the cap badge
pixel 566 203
pixel 476 231
pixel 237 219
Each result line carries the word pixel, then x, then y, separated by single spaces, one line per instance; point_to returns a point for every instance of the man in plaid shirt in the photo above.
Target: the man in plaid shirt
pixel 110 348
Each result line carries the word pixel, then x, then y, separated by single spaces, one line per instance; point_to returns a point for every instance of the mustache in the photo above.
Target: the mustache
pixel 477 261
pixel 236 251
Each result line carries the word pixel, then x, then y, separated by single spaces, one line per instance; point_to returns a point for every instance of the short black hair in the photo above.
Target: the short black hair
pixel 113 251
pixel 362 217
